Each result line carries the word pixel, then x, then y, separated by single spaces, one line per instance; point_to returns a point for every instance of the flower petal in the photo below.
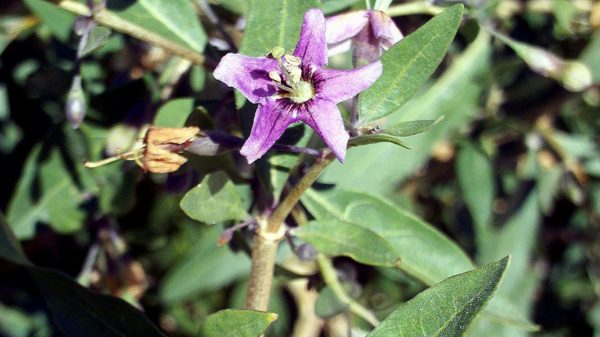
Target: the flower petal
pixel 270 122
pixel 325 118
pixel 384 29
pixel 340 85
pixel 250 75
pixel 311 47
pixel 345 26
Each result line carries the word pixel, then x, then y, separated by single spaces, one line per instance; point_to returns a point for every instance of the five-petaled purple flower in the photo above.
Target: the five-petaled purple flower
pixel 296 87
pixel 370 32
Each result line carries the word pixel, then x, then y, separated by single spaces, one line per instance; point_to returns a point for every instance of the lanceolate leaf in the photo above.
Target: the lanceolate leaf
pixel 237 323
pixel 411 128
pixel 374 139
pixel 175 20
pixel 408 65
pixel 215 200
pixel 174 113
pixel 424 252
pixel 336 237
pixel 75 310
pixel 446 309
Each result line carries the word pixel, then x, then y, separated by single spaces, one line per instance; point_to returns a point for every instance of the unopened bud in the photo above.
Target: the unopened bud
pixel 576 76
pixel 306 252
pixel 75 106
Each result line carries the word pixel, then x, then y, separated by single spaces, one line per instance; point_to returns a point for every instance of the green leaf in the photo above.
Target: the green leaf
pixel 455 95
pixel 411 128
pixel 75 310
pixel 9 246
pixel 446 309
pixel 57 203
pixel 237 323
pixel 59 22
pixel 272 24
pixel 408 65
pixel 96 39
pixel 79 312
pixel 375 138
pixel 338 237
pixel 175 20
pixel 409 236
pixel 174 113
pixel 205 268
pixel 215 200
pixel 476 180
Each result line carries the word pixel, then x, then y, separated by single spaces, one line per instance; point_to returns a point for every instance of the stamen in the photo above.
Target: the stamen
pixel 292 60
pixel 275 76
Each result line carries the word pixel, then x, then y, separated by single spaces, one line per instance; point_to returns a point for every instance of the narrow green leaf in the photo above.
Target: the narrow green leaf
pixel 174 20
pixel 174 113
pixel 338 237
pixel 408 65
pixel 215 200
pixel 446 309
pixel 75 310
pixel 375 138
pixel 205 268
pixel 424 252
pixel 237 323
pixel 10 249
pixel 59 22
pixel 96 39
pixel 272 24
pixel 80 312
pixel 411 128
pixel 57 203
pixel 476 180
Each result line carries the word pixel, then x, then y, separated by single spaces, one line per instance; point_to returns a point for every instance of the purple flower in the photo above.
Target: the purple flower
pixel 371 32
pixel 296 88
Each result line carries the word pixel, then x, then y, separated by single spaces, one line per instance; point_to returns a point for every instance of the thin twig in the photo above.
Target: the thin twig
pixel 331 279
pixel 410 8
pixel 113 21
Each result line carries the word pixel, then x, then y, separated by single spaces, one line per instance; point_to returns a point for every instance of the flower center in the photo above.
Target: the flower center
pixel 295 88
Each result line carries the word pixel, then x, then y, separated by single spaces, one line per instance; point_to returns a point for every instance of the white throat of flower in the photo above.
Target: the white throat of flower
pixel 294 87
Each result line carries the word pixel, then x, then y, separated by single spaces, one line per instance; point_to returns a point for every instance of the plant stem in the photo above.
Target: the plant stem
pixel 285 207
pixel 113 21
pixel 331 279
pixel 410 8
pixel 270 233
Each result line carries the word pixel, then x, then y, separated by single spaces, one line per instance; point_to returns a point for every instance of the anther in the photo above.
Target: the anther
pixel 292 60
pixel 277 52
pixel 273 75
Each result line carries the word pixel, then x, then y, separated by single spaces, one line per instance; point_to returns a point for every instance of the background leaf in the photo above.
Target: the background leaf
pixel 424 252
pixel 237 323
pixel 205 268
pixel 408 65
pixel 174 20
pixel 174 113
pixel 476 179
pixel 338 237
pixel 446 309
pixel 215 200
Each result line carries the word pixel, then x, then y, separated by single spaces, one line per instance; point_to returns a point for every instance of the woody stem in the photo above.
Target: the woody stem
pixel 270 234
